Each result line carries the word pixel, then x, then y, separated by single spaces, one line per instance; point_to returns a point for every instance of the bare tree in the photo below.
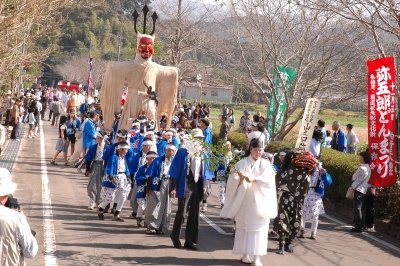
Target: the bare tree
pixel 185 35
pixel 381 18
pixel 77 68
pixel 319 45
pixel 22 22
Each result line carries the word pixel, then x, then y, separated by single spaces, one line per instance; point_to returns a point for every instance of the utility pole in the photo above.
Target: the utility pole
pixel 119 45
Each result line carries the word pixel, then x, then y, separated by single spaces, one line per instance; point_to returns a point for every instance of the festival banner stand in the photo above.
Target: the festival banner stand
pixel 287 75
pixel 382 123
pixel 308 124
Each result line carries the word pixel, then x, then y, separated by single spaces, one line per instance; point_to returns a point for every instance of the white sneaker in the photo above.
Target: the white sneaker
pixel 91 206
pixel 204 207
pixel 29 137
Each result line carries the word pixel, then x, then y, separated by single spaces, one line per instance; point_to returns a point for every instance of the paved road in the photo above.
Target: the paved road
pixel 54 200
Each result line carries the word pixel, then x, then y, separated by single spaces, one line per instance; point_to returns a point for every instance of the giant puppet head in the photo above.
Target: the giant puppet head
pixel 145 45
pixel 145 42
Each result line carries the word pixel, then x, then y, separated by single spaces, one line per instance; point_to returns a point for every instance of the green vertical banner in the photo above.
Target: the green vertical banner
pixel 287 75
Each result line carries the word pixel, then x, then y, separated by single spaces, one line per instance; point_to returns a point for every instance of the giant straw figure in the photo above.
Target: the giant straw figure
pixel 152 88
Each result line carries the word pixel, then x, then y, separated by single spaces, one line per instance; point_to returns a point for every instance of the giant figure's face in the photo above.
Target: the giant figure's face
pixel 146 47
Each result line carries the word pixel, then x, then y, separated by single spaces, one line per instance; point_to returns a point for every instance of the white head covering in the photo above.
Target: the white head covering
pixel 148 142
pixel 151 154
pixel 123 145
pixel 197 133
pixel 171 146
pixel 6 185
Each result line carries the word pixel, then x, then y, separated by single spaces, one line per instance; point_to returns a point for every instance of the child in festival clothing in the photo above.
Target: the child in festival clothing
pixel 140 179
pixel 115 180
pixel 313 205
pixel 31 121
pixel 222 173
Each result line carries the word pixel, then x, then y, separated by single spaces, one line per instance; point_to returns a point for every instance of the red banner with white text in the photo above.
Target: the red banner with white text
pixel 382 126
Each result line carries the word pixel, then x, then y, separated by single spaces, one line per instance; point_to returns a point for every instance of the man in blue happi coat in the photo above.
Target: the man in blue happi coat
pixel 188 167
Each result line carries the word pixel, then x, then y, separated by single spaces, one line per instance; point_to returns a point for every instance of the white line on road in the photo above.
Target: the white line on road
pixel 212 224
pixel 48 226
pixel 386 244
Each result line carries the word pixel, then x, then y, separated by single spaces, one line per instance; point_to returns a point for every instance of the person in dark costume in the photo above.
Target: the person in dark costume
pixel 293 181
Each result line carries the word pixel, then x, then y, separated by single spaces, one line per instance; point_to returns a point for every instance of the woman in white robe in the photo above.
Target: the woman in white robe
pixel 251 200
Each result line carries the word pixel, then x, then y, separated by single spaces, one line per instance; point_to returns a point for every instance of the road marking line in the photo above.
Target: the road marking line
pixel 212 224
pixel 48 226
pixel 386 244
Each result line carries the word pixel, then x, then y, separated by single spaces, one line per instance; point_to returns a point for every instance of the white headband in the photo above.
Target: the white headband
pixel 282 153
pixel 169 133
pixel 99 135
pixel 123 146
pixel 151 155
pixel 121 135
pixel 147 142
pixel 171 147
pixel 149 133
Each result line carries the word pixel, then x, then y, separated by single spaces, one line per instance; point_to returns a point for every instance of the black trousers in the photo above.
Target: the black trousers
pixel 193 209
pixel 15 131
pixel 359 210
pixel 7 122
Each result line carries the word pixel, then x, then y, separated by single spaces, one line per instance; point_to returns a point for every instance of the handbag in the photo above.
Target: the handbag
pixel 350 190
pixel 350 193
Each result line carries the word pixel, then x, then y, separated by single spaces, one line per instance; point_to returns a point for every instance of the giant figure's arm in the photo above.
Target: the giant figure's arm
pixel 166 87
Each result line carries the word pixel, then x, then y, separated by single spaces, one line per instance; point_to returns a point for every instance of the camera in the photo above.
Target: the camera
pixel 12 203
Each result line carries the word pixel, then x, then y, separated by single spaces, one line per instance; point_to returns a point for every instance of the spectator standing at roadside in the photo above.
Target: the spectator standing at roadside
pixel 245 122
pixel 339 140
pixel 15 120
pixel 57 107
pixel 38 109
pixel 321 126
pixel 224 110
pixel 360 184
pixel 73 126
pixel 51 101
pixel 230 119
pixel 9 106
pixel 257 133
pixel 328 139
pixel 224 129
pixel 2 137
pixel 17 240
pixel 352 139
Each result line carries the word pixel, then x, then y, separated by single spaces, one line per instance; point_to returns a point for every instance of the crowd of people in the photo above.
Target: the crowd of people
pixel 148 165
